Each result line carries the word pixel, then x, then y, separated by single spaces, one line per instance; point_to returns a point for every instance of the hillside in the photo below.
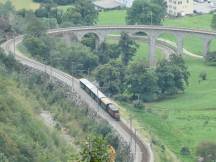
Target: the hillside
pixel 23 135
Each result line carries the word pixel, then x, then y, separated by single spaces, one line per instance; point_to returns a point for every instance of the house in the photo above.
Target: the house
pixel 180 7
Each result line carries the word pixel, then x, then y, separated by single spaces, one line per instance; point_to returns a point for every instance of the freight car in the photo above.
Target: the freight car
pixel 104 102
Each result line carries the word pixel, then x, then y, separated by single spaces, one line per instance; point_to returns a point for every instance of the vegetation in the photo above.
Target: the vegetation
pixel 23 4
pixel 95 150
pixel 207 151
pixel 127 48
pixel 211 58
pixel 23 136
pixel 146 12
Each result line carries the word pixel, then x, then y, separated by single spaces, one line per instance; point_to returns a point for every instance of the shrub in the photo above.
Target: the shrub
pixel 185 151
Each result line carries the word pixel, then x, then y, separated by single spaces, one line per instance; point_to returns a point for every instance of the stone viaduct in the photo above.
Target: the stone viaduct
pixel 151 32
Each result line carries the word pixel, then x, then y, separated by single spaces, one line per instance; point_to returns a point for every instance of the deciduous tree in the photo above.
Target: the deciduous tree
pixel 127 47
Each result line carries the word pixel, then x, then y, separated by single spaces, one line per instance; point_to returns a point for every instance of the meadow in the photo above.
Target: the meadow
pixel 184 120
pixel 23 4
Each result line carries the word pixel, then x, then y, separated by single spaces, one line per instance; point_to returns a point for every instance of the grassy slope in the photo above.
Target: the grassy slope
pixel 22 133
pixel 26 4
pixel 185 119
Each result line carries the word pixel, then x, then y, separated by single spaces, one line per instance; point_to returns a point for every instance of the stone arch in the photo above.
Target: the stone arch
pixel 172 40
pixel 91 39
pixel 139 33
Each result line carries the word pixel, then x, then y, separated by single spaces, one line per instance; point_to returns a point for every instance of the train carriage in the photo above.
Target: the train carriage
pixel 100 98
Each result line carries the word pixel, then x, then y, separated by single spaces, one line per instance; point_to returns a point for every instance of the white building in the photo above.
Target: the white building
pixel 180 7
pixel 126 3
pixel 174 7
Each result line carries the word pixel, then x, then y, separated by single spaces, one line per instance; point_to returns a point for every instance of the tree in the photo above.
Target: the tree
pixel 172 75
pixel 76 59
pixel 72 15
pixel 146 12
pixel 83 13
pixel 36 28
pixel 95 150
pixel 87 11
pixel 142 82
pixel 107 51
pixel 127 47
pixel 37 47
pixel 111 76
pixel 207 150
pixel 3 158
pixel 90 40
pixel 213 22
pixel 6 9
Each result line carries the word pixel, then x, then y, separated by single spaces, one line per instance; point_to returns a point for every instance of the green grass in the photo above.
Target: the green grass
pixel 186 119
pixel 23 4
pixel 113 17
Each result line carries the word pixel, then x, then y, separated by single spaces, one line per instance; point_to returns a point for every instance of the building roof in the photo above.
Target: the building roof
pixel 107 4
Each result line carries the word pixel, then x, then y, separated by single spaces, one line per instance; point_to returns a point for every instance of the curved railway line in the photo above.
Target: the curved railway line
pixel 142 149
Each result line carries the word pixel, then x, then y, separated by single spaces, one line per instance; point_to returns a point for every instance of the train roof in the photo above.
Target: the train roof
pixel 113 107
pixel 106 100
pixel 97 92
pixel 92 87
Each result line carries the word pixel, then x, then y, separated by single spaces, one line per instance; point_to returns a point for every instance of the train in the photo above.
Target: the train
pixel 104 102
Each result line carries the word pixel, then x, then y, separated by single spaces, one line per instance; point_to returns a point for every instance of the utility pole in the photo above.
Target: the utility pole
pixel 130 123
pixel 151 17
pixel 135 142
pixel 14 41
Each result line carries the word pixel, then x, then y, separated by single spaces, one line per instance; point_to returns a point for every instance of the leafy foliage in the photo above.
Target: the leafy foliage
pixel 207 150
pixel 211 58
pixel 172 75
pixel 111 76
pixel 83 13
pixel 143 82
pixel 146 12
pixel 127 47
pixel 95 150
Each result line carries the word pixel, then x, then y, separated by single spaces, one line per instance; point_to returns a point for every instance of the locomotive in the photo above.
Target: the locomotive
pixel 104 102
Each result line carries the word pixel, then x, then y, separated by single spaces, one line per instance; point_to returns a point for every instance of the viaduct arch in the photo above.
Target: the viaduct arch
pixel 152 33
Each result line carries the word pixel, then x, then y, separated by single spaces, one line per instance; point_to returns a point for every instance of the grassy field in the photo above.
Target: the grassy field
pixel 184 120
pixel 23 4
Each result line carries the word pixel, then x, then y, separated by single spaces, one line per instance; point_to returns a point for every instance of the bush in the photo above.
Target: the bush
pixel 185 151
pixel 211 58
pixel 137 104
pixel 207 150
pixel 203 75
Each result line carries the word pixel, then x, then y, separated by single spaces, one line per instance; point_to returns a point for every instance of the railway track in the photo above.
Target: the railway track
pixel 141 150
